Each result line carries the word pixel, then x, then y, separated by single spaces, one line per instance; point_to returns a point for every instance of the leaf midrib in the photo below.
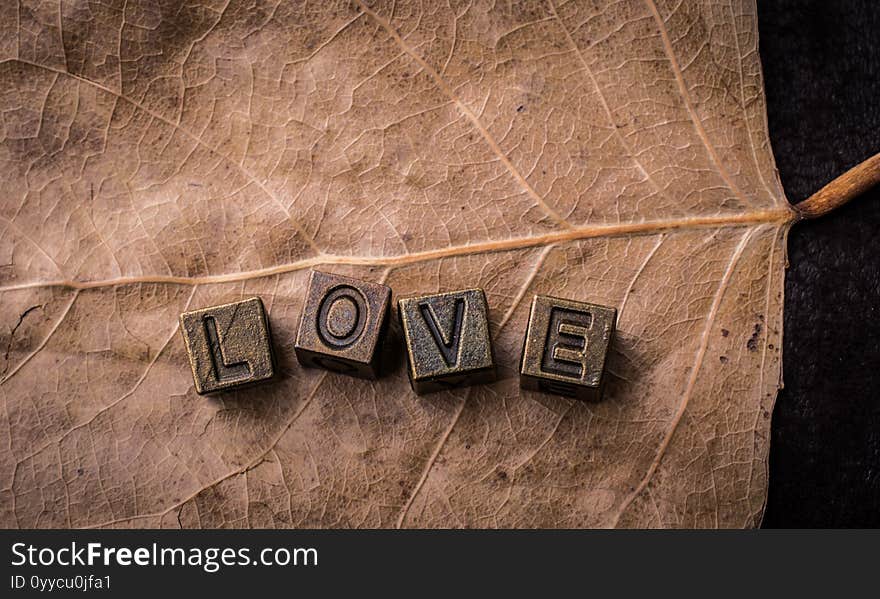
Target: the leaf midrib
pixel 780 216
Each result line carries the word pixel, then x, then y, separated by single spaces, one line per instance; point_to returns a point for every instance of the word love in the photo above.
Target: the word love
pixel 344 325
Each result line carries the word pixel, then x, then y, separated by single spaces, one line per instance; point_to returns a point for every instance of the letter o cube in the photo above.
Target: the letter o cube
pixel 343 325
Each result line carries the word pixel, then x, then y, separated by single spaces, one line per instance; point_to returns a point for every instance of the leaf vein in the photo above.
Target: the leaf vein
pixel 692 379
pixel 487 137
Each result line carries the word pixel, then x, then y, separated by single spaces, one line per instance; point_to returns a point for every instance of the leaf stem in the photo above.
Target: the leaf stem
pixel 841 190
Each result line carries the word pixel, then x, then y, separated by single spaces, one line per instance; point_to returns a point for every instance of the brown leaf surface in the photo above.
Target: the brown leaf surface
pixel 159 156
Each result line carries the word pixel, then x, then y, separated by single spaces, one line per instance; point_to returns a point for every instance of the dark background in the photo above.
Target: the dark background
pixel 822 75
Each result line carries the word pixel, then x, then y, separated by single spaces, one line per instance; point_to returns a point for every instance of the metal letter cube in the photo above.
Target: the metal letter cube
pixel 343 325
pixel 228 346
pixel 565 347
pixel 447 340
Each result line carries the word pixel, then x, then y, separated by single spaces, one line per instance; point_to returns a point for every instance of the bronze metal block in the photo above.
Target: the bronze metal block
pixel 343 325
pixel 565 347
pixel 447 340
pixel 228 346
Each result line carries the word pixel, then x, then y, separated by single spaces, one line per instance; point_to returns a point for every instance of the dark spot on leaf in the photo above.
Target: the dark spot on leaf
pixel 725 332
pixel 752 343
pixel 723 359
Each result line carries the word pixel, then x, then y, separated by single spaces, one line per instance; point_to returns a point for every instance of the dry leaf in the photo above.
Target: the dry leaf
pixel 164 156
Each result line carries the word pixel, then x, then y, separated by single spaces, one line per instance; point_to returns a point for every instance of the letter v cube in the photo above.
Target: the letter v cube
pixel 447 340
